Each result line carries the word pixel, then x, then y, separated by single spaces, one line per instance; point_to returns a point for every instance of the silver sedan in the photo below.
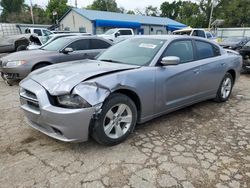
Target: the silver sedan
pixel 132 82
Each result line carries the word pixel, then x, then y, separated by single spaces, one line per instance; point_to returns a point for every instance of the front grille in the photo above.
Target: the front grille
pixel 29 100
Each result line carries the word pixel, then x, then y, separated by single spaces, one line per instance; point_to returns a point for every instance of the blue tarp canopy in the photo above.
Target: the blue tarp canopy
pixel 114 23
pixel 171 27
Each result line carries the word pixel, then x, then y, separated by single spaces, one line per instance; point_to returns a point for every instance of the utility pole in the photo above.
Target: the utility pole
pixel 76 3
pixel 211 14
pixel 107 6
pixel 31 12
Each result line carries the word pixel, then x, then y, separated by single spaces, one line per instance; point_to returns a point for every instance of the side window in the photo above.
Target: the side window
pixel 79 45
pixel 98 44
pixel 209 35
pixel 182 49
pixel 206 50
pixel 198 33
pixel 46 33
pixel 125 32
pixel 38 32
pixel 201 33
pixel 27 30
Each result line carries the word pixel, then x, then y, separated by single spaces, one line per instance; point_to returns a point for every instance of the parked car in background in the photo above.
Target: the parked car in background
pixel 18 65
pixel 245 52
pixel 42 33
pixel 14 43
pixel 35 44
pixel 18 42
pixel 118 34
pixel 196 32
pixel 234 43
pixel 132 82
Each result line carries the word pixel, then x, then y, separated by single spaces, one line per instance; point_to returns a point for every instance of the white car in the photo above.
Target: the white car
pixel 118 34
pixel 36 45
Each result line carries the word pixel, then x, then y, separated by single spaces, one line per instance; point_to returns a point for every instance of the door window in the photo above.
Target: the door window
pixel 46 33
pixel 80 45
pixel 182 49
pixel 98 44
pixel 38 32
pixel 206 50
pixel 125 32
pixel 199 33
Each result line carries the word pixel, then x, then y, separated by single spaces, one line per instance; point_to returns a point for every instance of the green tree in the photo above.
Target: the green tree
pixel 58 6
pixel 236 13
pixel 40 16
pixel 170 10
pixel 151 11
pixel 130 12
pixel 104 5
pixel 10 8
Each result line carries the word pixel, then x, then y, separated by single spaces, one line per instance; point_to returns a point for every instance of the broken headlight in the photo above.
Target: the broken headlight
pixel 72 101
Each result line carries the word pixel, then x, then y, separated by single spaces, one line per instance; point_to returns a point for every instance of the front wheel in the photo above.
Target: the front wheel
pixel 225 88
pixel 117 120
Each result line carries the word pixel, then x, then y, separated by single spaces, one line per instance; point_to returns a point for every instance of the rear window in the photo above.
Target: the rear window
pixel 125 32
pixel 206 50
pixel 98 44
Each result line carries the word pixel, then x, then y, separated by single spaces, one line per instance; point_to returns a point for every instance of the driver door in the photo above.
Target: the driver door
pixel 80 49
pixel 178 85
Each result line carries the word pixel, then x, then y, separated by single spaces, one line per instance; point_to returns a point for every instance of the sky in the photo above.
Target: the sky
pixel 127 4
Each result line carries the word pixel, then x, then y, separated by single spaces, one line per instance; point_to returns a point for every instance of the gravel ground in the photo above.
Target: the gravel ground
pixel 205 145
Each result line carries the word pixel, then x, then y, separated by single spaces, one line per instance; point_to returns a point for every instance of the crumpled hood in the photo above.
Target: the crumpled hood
pixel 232 44
pixel 61 78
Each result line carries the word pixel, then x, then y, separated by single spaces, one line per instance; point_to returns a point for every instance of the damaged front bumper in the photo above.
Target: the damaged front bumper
pixel 69 125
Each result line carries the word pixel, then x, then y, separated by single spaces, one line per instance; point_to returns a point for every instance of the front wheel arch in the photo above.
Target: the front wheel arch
pixel 40 65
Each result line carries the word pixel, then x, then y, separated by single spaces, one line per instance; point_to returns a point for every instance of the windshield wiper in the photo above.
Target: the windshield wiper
pixel 110 60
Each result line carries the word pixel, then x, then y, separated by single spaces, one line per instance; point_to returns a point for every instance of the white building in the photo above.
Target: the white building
pixel 97 22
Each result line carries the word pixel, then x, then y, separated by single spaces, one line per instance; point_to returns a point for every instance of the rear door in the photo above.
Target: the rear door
pixel 213 67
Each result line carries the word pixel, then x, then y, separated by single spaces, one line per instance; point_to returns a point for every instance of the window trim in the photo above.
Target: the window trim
pixel 177 40
pixel 92 39
pixel 196 49
pixel 77 40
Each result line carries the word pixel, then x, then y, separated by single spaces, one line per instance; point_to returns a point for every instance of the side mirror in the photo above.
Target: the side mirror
pixel 117 34
pixel 170 60
pixel 67 50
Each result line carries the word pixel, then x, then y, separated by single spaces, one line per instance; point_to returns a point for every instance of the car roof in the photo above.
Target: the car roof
pixel 169 37
pixel 77 37
pixel 174 37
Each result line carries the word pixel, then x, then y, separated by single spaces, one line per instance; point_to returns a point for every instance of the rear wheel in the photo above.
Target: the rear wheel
pixel 225 88
pixel 117 120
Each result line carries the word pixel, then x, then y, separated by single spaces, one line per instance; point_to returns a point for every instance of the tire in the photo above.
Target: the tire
pixel 225 88
pixel 40 65
pixel 118 125
pixel 21 48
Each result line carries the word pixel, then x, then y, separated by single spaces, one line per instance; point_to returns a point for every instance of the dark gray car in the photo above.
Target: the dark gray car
pixel 18 65
pixel 132 82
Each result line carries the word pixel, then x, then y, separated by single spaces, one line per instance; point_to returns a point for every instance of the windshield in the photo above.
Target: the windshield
pixel 137 51
pixel 56 45
pixel 183 33
pixel 110 32
pixel 247 44
pixel 233 39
